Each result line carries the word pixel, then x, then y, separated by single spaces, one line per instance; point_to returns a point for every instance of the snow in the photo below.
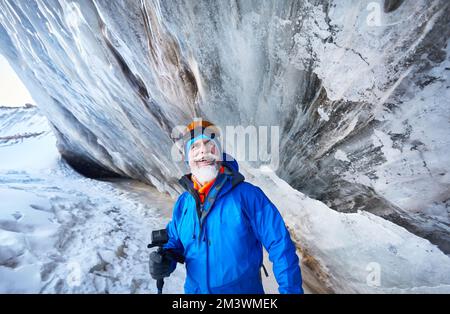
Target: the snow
pixel 116 77
pixel 415 174
pixel 63 233
pixel 323 115
pixel 77 234
pixel 346 245
pixel 341 155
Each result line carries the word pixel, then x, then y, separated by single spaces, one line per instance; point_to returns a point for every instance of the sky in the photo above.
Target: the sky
pixel 12 91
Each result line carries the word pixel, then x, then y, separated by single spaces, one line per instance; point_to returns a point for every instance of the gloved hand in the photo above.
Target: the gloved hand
pixel 160 266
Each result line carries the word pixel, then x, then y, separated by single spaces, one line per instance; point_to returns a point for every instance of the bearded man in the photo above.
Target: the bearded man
pixel 221 223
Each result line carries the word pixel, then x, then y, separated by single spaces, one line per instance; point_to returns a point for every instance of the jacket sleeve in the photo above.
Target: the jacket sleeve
pixel 172 228
pixel 269 228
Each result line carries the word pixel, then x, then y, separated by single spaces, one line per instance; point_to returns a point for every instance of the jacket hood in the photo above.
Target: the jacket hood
pixel 229 162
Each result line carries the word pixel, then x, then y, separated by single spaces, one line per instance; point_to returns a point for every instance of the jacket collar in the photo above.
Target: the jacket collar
pixel 224 182
pixel 233 175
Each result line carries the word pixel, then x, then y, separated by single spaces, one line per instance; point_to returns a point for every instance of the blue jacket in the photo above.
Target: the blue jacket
pixel 222 239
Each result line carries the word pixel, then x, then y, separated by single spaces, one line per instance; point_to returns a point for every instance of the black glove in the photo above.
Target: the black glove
pixel 161 266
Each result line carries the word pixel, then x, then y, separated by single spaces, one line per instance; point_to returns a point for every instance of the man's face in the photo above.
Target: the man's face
pixel 203 153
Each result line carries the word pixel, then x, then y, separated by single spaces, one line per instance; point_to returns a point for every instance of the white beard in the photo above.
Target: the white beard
pixel 206 173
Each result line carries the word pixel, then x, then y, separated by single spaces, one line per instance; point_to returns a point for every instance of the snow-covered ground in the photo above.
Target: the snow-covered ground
pixel 354 252
pixel 62 233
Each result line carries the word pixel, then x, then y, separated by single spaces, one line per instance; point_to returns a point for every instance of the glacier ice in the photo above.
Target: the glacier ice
pixel 114 78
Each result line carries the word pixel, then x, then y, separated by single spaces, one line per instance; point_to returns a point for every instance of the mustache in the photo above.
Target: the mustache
pixel 206 157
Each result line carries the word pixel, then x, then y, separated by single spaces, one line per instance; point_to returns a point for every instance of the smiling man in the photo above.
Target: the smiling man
pixel 221 223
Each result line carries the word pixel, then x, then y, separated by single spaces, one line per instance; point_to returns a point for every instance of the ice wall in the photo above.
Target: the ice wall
pixel 359 89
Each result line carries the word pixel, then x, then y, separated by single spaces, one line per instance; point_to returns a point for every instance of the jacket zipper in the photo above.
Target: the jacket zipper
pixel 207 261
pixel 202 237
pixel 198 202
pixel 200 224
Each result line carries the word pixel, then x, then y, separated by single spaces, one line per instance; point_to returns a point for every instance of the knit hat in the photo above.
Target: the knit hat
pixel 200 129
